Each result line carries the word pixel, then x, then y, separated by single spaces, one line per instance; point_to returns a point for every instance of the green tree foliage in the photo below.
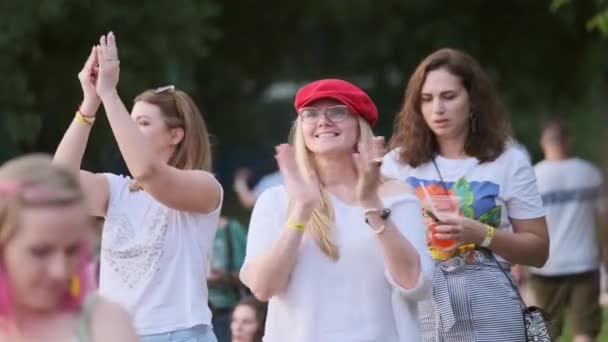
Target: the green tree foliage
pixel 597 22
pixel 227 54
pixel 43 45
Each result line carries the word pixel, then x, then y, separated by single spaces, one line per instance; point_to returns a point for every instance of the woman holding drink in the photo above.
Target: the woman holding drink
pixel 481 203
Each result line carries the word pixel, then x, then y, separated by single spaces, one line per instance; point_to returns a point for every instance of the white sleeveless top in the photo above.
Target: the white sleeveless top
pixel 154 260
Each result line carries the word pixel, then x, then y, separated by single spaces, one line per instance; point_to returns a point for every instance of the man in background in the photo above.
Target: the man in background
pixel 571 189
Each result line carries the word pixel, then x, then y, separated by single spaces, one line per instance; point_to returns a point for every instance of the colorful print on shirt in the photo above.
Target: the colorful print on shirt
pixel 477 201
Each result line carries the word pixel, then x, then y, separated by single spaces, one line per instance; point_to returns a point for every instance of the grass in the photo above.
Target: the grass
pixel 567 336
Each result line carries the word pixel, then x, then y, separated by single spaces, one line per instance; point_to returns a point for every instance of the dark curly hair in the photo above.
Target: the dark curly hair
pixel 414 137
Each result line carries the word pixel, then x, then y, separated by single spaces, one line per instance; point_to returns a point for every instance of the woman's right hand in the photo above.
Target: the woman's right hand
pixel 88 80
pixel 303 188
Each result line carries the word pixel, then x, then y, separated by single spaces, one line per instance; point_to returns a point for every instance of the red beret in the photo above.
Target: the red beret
pixel 357 101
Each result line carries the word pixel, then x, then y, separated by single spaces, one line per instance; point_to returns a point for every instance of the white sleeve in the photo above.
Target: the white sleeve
pixel 406 214
pixel 265 223
pixel 391 166
pixel 117 190
pixel 521 190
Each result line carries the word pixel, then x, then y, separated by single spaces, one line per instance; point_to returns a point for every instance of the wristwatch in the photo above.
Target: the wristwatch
pixel 383 213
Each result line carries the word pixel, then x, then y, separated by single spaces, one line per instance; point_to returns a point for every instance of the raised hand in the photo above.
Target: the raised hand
pixel 368 161
pixel 243 174
pixel 88 81
pixel 109 65
pixel 303 188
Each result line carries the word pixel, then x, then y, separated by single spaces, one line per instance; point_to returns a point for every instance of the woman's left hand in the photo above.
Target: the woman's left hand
pixel 109 65
pixel 368 161
pixel 461 229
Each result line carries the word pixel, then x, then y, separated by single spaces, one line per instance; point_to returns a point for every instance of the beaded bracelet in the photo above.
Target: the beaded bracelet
pixel 83 119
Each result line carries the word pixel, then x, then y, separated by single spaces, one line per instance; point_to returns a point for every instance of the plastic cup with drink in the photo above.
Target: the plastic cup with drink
pixel 440 206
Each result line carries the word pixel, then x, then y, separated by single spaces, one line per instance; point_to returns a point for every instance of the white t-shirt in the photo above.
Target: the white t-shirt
pixel 352 299
pixel 571 191
pixel 154 260
pixel 491 192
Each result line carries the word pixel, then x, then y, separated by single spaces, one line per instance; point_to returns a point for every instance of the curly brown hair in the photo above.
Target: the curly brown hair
pixel 415 139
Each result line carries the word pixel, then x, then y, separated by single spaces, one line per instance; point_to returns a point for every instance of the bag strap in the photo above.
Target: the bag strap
pixel 445 188
pixel 513 286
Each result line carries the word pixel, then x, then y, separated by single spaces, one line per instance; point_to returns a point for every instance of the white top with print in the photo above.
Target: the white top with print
pixel 154 260
pixel 490 192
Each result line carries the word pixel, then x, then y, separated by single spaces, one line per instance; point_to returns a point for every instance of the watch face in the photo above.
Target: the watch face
pixel 385 213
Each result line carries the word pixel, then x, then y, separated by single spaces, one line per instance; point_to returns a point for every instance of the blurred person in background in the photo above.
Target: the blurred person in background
pixel 160 224
pixel 571 189
pixel 248 319
pixel 338 251
pixel 452 139
pixel 248 196
pixel 225 287
pixel 604 251
pixel 45 286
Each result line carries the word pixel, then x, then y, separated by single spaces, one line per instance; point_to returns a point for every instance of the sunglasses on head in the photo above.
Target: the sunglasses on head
pixel 164 89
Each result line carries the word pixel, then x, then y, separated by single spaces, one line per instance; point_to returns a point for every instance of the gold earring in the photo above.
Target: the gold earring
pixel 75 286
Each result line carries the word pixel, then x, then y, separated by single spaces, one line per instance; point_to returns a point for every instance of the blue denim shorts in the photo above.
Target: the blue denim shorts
pixel 199 333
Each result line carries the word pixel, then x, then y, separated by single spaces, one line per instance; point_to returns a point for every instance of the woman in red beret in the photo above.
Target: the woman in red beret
pixel 452 140
pixel 339 252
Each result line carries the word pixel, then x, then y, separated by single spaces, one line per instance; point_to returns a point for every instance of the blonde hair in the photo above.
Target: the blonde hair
pixel 321 224
pixel 32 181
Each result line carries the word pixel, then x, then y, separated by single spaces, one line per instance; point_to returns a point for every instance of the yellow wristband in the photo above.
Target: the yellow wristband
pixel 489 235
pixel 296 226
pixel 85 120
pixel 490 231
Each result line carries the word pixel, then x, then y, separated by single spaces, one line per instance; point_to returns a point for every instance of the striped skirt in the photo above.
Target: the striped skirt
pixel 472 302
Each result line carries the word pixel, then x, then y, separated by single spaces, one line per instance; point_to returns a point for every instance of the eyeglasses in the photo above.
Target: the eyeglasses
pixel 163 89
pixel 334 113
